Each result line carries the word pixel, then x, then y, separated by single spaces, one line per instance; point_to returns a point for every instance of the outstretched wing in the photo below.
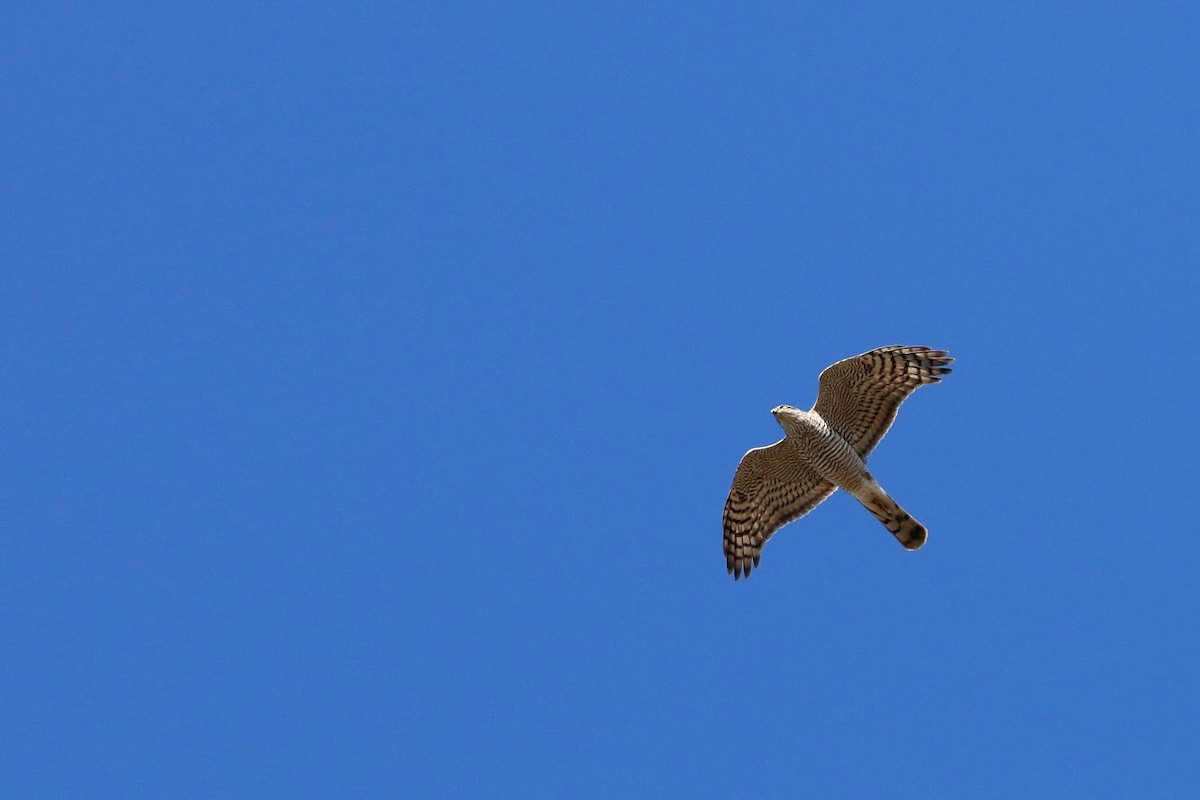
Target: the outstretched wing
pixel 859 396
pixel 771 488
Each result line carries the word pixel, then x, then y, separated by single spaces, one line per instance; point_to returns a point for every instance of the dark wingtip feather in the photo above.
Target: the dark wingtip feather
pixel 739 569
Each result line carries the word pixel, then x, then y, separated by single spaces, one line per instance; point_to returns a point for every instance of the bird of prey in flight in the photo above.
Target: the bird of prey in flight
pixel 826 449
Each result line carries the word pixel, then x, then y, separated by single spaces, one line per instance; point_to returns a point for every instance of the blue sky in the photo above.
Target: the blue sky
pixel 374 377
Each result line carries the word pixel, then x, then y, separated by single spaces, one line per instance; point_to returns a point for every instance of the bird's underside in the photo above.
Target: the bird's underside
pixel 825 449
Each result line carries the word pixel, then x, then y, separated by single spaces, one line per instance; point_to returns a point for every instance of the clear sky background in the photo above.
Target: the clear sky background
pixel 374 376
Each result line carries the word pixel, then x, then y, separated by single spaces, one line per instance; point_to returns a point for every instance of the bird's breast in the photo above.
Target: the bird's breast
pixel 826 452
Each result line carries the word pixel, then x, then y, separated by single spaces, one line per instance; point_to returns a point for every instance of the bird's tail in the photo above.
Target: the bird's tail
pixel 907 530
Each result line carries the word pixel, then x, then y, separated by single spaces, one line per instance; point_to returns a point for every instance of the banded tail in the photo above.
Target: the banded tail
pixel 907 530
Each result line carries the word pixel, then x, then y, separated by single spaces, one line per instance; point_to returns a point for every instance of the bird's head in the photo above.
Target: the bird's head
pixel 784 413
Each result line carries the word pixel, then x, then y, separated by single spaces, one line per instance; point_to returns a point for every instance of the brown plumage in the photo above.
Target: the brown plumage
pixel 824 449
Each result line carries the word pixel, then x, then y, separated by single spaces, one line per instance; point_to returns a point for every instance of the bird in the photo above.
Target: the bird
pixel 825 449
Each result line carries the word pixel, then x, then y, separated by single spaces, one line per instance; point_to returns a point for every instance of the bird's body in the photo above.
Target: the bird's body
pixel 822 448
pixel 825 449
